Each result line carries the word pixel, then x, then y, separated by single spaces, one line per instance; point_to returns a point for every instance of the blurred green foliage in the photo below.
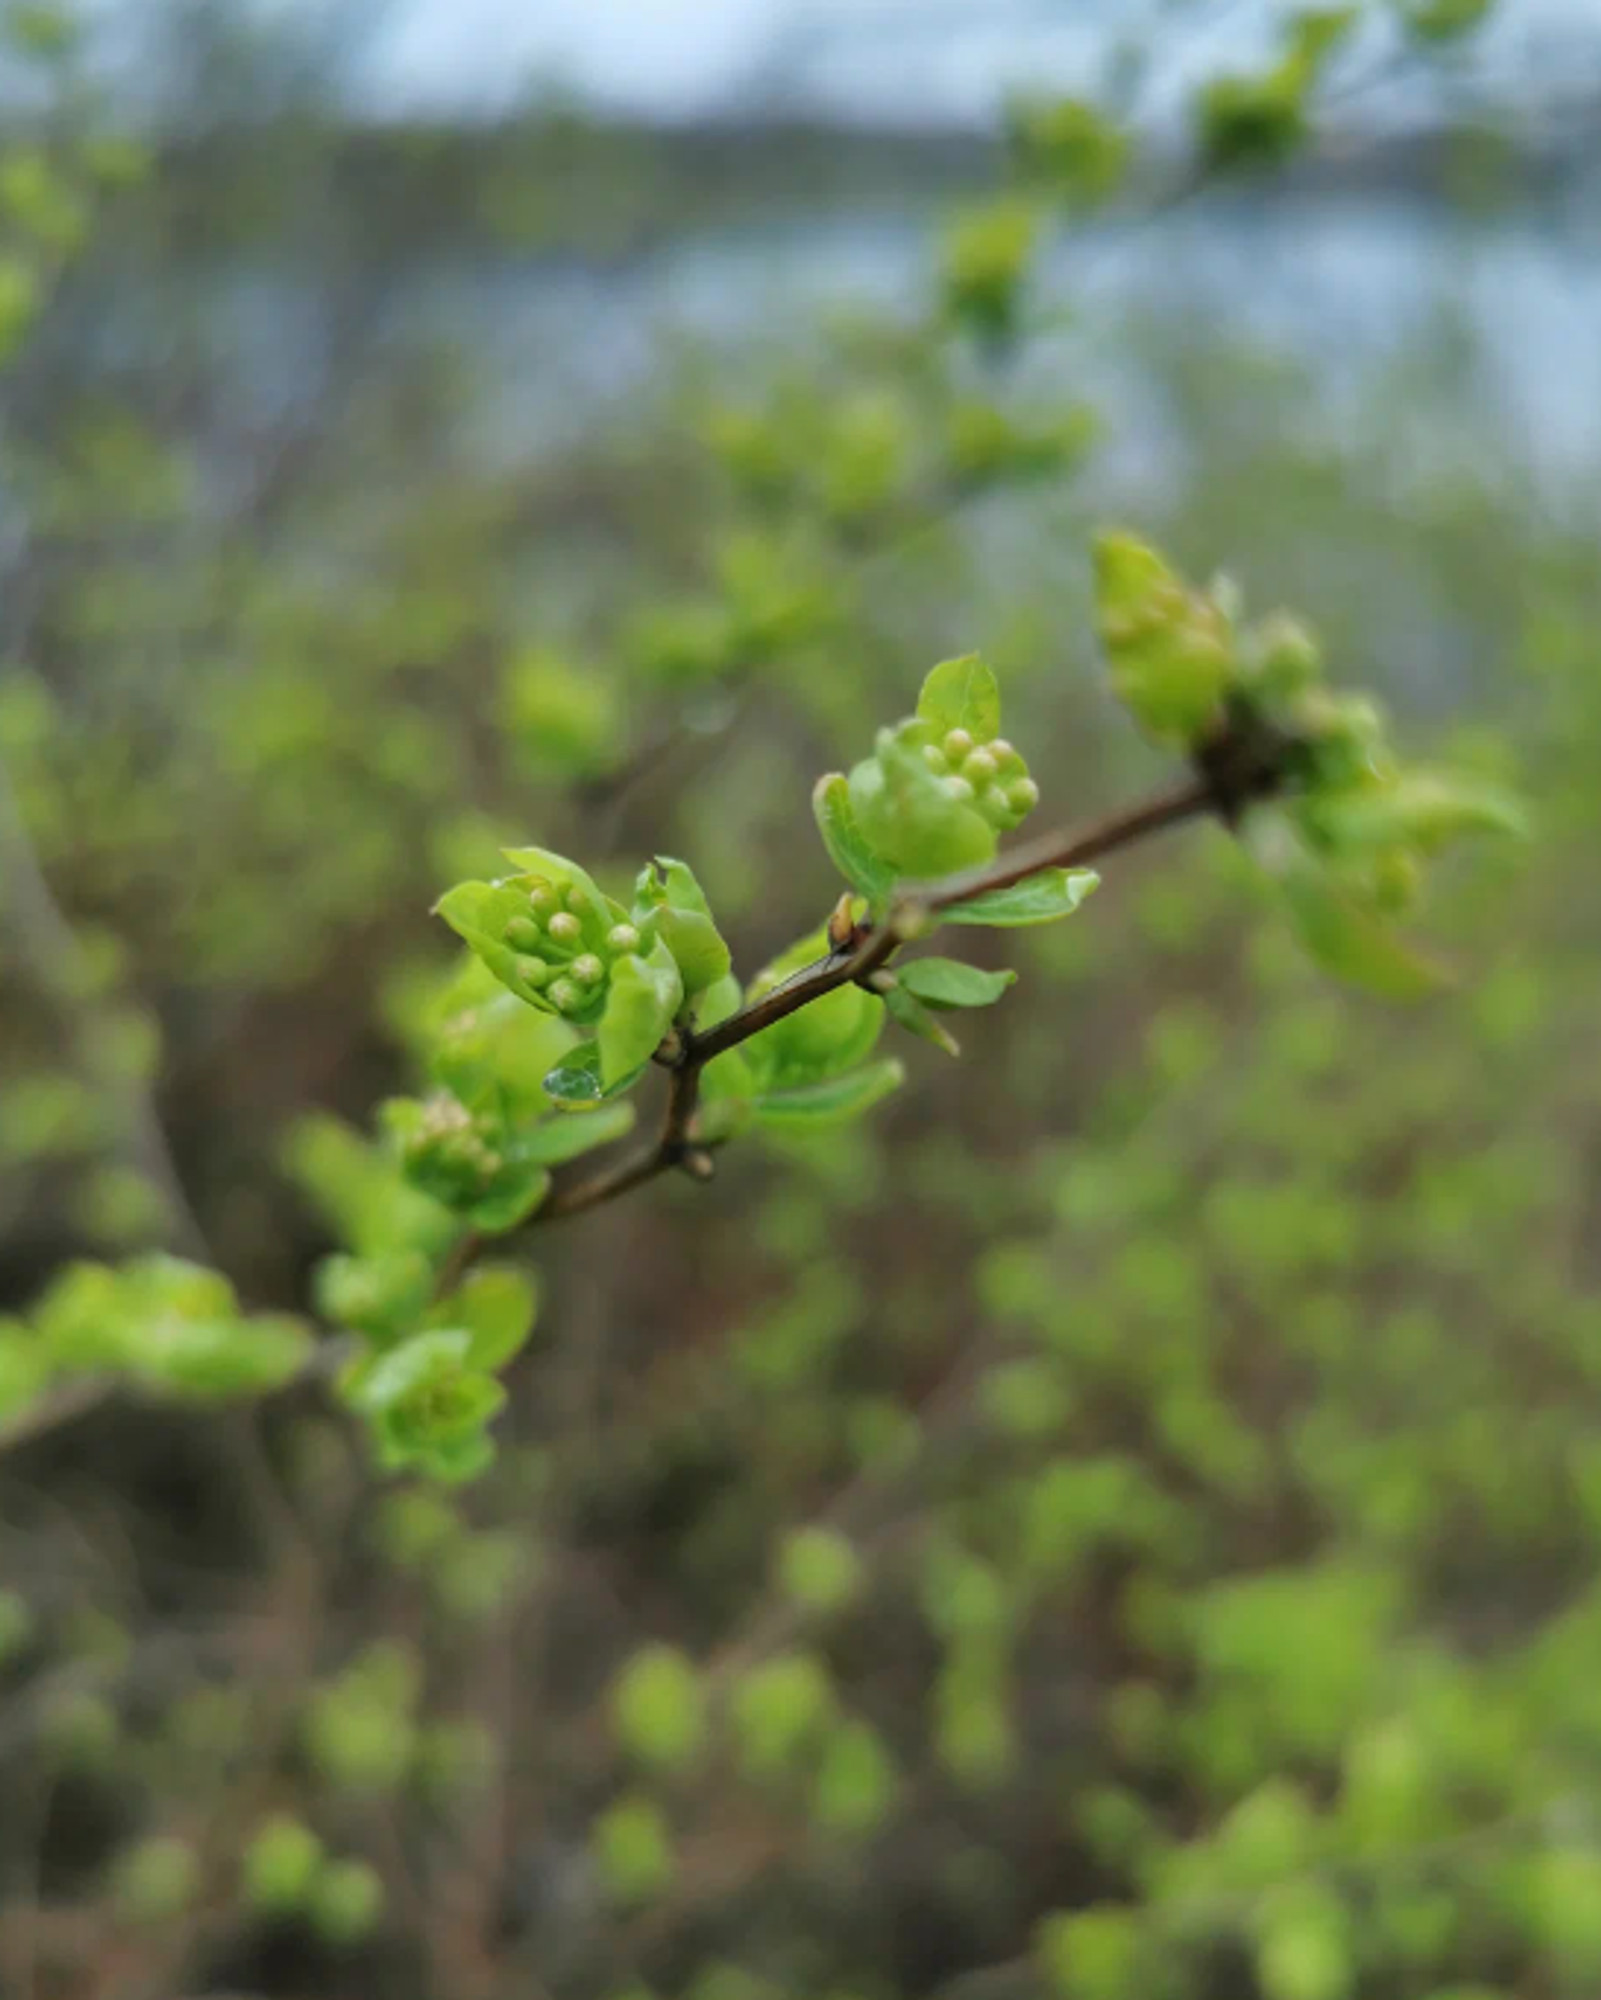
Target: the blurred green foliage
pixel 1123 1521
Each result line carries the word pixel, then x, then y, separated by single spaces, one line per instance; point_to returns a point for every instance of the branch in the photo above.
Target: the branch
pixel 1241 764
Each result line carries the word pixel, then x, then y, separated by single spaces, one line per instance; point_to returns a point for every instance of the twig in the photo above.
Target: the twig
pixel 1243 761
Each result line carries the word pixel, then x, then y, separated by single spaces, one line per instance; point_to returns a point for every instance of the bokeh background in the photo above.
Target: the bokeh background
pixel 1121 1523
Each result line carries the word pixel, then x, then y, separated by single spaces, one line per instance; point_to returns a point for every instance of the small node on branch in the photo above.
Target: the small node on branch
pixel 1246 760
pixel 698 1163
pixel 842 924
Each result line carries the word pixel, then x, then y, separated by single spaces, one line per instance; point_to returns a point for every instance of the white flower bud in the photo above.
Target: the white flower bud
pixel 523 934
pixel 958 745
pixel 565 928
pixel 542 897
pixel 936 760
pixel 959 789
pixel 1023 795
pixel 979 770
pixel 588 970
pixel 622 938
pixel 566 997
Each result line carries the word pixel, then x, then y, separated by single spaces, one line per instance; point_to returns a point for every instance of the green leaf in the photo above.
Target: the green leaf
pixel 495 1053
pixel 645 995
pixel 866 871
pixel 1305 1949
pixel 854 1789
pixel 1443 20
pixel 429 1407
pixel 1091 1954
pixel 728 1095
pixel 478 913
pixel 660 1708
pixel 676 904
pixel 563 873
pixel 831 1101
pixel 1340 935
pixel 1170 650
pixel 1040 899
pixel 564 1138
pixel 1422 809
pixel 825 1039
pixel 496 1305
pixel 917 1020
pixel 1315 34
pixel 517 1192
pixel 718 1002
pixel 946 982
pixel 962 694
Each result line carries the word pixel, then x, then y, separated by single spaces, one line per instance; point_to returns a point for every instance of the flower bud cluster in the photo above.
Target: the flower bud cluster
pixel 990 776
pixel 451 1154
pixel 567 943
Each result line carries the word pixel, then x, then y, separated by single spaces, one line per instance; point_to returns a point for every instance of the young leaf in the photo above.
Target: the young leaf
pixel 1342 936
pixel 496 1306
pixel 1422 809
pixel 1170 649
pixel 428 1405
pixel 1040 899
pixel 728 1093
pixel 946 982
pixel 827 1038
pixel 917 1020
pixel 565 874
pixel 833 1100
pixel 557 1139
pixel 645 995
pixel 848 848
pixel 676 904
pixel 478 913
pixel 962 694
pixel 718 1002
pixel 517 1192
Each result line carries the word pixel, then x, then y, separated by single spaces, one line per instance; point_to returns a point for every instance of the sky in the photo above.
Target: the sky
pixel 897 59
